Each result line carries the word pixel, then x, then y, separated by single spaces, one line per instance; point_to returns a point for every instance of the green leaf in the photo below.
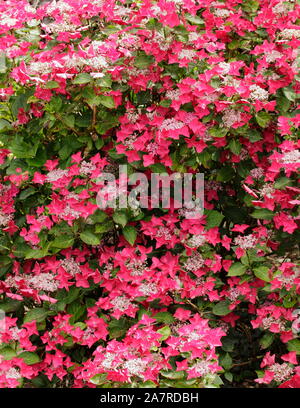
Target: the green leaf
pixel 130 234
pixel 62 242
pixel 3 66
pixel 77 310
pixel 104 227
pixel 52 85
pixel 254 135
pixel 194 19
pixel 82 78
pixel 233 45
pixel 263 214
pixel 27 193
pixel 29 357
pixel 36 253
pixel 235 146
pixel 98 216
pixel 4 124
pixel 218 132
pixel 221 308
pixel 118 327
pixel 289 93
pixel 7 353
pixel 22 149
pixel 120 217
pixel 237 269
pixel 164 317
pixel 225 174
pixel 226 361
pixel 294 345
pixel 228 376
pixel 262 272
pixel 173 375
pixel 107 101
pixel 104 82
pixel 158 168
pixel 266 340
pixel 165 333
pixel 263 119
pixel 10 305
pixel 69 120
pixel 89 238
pixel 282 182
pixel 143 61
pixel 99 379
pixel 213 218
pixel 38 314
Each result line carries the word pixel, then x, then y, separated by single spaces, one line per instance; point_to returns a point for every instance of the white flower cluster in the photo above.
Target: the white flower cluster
pixel 70 266
pixel 44 281
pixel 202 367
pixel 194 262
pixel 163 232
pixel 86 168
pixel 258 93
pixel 189 54
pixel 56 174
pixel 246 242
pixel 281 371
pixel 171 124
pixel 121 303
pixel 196 241
pixel 257 173
pixel 230 117
pixel 273 56
pixel 291 157
pixel 39 67
pixel 290 33
pixel 222 12
pixel 136 366
pixel 148 288
pixel 5 219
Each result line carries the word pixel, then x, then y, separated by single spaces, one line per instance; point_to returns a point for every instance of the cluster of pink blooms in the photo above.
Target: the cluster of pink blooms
pixel 164 302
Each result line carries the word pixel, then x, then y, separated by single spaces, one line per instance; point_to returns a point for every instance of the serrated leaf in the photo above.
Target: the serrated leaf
pixel 173 375
pixel 98 379
pixel 213 219
pixel 164 317
pixel 29 357
pixel 221 308
pixel 266 340
pixel 294 345
pixel 52 85
pixel 289 93
pixel 165 332
pixel 262 272
pixel 107 101
pixel 235 146
pixel 263 119
pixel 89 238
pixel 62 242
pixel 82 78
pixel 38 314
pixel 69 120
pixel 263 214
pixel 237 269
pixel 7 353
pixel 120 218
pixel 226 361
pixel 130 234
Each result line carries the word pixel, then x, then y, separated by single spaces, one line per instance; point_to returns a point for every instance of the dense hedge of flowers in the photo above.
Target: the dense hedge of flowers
pixel 148 297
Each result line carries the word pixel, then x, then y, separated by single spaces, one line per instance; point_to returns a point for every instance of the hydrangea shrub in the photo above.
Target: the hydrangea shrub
pixel 146 297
